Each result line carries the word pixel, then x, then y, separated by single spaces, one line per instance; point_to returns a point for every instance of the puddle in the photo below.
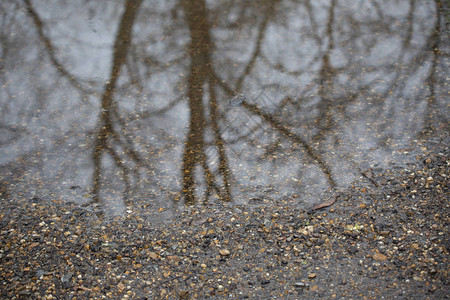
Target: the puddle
pixel 130 105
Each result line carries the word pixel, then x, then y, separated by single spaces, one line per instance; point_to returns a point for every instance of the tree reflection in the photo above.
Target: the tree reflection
pixel 108 136
pixel 344 82
pixel 200 76
pixel 50 49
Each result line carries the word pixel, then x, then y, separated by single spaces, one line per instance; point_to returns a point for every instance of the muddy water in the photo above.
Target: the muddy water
pixel 121 105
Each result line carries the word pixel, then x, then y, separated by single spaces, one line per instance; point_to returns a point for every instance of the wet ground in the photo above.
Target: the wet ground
pixel 246 149
pixel 382 238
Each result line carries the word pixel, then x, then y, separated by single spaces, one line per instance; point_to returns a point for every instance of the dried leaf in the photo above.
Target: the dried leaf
pixel 324 204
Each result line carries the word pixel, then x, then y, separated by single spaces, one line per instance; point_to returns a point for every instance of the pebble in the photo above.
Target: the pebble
pixel 224 252
pixel 300 284
pixel 352 250
pixel 163 257
pixel 379 256
pixel 183 295
pixel 66 278
pixel 41 272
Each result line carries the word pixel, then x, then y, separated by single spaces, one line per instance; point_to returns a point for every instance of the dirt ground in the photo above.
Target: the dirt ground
pixel 385 236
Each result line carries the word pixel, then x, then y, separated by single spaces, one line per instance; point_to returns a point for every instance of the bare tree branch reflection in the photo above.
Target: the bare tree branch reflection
pixel 51 52
pixel 285 131
pixel 107 133
pixel 257 51
pixel 224 167
pixel 434 116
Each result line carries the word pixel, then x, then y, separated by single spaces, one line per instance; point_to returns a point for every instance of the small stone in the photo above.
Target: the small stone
pixel 300 284
pixel 25 292
pixel 224 252
pixel 349 232
pixel 120 286
pixel 41 272
pixel 312 275
pixel 432 288
pixel 183 295
pixel 352 249
pixel 379 256
pixel 67 277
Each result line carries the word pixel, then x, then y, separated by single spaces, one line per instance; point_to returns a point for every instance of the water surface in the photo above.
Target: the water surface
pixel 125 105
